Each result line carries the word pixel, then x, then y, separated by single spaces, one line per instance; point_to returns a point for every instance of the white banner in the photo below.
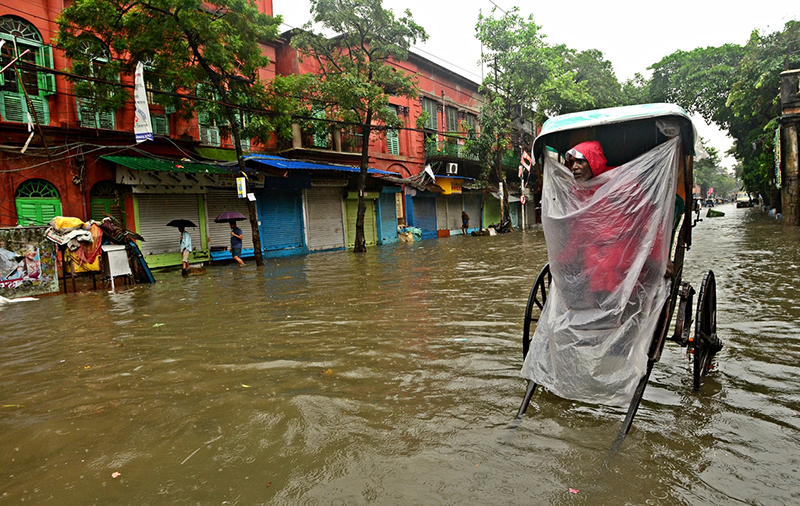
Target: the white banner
pixel 141 121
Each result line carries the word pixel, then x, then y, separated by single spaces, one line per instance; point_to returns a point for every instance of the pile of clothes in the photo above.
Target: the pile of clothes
pixel 82 240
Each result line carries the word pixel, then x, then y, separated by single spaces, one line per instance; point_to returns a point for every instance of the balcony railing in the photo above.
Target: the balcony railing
pixel 448 148
pixel 352 142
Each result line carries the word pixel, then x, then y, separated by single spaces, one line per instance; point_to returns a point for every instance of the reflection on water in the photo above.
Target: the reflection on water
pixel 389 378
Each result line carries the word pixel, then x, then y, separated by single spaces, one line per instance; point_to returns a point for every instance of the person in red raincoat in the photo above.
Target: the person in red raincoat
pixel 602 242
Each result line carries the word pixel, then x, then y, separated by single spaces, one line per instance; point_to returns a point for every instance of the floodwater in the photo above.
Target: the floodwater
pixel 390 378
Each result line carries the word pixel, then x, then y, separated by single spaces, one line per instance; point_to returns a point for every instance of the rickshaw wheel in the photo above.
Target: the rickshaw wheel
pixel 706 343
pixel 537 297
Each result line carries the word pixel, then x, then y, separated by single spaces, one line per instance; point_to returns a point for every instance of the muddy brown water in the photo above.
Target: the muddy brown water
pixel 390 378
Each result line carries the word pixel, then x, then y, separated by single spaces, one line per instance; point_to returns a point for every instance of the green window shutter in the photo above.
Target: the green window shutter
pixel 169 109
pixel 12 106
pixel 160 125
pixel 37 211
pixel 41 108
pixel 429 106
pixel 209 133
pixel 393 140
pixel 49 210
pixel 47 80
pixel 101 207
pixel 107 120
pixel 86 116
pixel 393 136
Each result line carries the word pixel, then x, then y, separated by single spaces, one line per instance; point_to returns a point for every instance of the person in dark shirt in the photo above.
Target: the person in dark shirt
pixel 236 243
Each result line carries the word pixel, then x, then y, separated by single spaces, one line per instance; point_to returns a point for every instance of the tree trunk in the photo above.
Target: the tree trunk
pixel 361 243
pixel 251 206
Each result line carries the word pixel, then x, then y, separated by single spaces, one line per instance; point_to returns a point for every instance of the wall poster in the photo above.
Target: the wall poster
pixel 27 262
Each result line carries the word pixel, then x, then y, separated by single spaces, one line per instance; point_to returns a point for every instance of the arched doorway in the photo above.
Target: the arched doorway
pixel 37 202
pixel 105 200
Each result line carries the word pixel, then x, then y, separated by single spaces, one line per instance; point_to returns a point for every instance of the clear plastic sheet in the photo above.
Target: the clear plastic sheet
pixel 608 246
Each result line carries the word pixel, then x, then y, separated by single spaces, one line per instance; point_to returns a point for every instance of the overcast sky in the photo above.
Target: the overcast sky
pixel 631 34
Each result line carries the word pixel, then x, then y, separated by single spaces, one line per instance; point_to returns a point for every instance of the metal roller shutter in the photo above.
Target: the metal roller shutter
pixel 441 212
pixel 388 207
pixel 219 234
pixel 325 221
pixel 281 215
pixel 425 216
pixel 472 205
pixel 454 207
pixel 155 210
pixel 491 211
pixel 370 232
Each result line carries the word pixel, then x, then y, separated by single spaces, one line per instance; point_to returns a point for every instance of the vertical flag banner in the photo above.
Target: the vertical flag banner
pixel 241 187
pixel 142 127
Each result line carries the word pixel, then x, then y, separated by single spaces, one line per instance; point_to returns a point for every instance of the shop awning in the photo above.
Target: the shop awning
pixel 166 165
pixel 277 162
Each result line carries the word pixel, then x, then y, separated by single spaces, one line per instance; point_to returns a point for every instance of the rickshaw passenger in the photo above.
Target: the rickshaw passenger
pixel 599 248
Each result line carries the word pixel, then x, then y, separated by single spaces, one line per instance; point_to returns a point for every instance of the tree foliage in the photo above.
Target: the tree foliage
pixel 209 49
pixel 522 69
pixel 356 77
pixel 588 83
pixel 735 87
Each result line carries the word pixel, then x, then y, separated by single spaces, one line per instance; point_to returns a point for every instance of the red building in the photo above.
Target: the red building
pixel 75 161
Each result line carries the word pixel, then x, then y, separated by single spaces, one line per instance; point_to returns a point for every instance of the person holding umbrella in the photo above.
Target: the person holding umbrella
pixel 186 248
pixel 236 233
pixel 186 241
pixel 236 243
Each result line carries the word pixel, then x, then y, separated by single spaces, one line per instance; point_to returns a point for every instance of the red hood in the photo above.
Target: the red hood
pixel 593 152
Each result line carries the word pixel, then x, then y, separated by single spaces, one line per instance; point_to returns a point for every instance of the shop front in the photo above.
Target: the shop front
pixel 165 190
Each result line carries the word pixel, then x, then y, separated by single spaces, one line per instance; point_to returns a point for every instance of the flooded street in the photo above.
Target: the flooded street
pixel 391 378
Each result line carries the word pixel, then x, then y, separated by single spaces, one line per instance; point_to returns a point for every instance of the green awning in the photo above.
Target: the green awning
pixel 164 165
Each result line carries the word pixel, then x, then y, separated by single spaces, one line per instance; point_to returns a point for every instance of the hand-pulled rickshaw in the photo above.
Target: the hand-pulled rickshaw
pixel 602 306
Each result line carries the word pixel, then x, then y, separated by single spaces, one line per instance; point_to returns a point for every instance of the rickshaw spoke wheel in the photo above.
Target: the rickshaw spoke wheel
pixel 706 343
pixel 536 298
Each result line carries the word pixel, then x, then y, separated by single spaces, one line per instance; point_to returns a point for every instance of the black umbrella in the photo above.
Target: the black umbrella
pixel 181 224
pixel 229 216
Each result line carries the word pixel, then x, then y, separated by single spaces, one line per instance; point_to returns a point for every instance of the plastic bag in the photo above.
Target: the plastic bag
pixel 608 247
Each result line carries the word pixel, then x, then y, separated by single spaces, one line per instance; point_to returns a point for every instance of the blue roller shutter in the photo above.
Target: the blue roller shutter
pixel 281 215
pixel 425 216
pixel 388 212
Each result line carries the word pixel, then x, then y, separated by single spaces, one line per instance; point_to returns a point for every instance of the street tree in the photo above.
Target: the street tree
pixel 356 77
pixel 594 84
pixel 203 56
pixel 735 87
pixel 522 69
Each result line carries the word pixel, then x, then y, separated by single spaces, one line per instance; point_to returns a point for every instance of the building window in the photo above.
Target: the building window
pixel 393 135
pixel 89 95
pixel 451 115
pixel 429 106
pixel 19 36
pixel 471 121
pixel 209 131
pixel 37 202
pixel 160 124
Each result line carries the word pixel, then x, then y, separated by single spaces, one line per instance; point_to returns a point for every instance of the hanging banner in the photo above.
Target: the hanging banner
pixel 241 187
pixel 142 127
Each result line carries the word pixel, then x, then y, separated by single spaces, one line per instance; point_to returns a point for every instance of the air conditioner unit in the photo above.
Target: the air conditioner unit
pixel 452 168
